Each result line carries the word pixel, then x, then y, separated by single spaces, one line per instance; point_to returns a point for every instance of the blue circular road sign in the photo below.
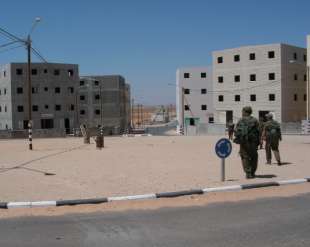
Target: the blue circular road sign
pixel 223 148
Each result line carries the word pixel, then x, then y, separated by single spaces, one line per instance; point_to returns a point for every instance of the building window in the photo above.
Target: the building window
pixel 96 83
pixel 305 57
pixel 203 75
pixel 20 108
pixel 70 72
pixel 237 58
pixel 295 97
pixel 305 97
pixel 35 90
pixel 186 91
pixel 186 107
pixel 56 72
pixel 46 106
pixel 45 71
pixel 253 77
pixel 237 78
pixel 70 89
pixel 0 92
pixel 203 107
pixel 295 56
pixel 0 108
pixel 82 112
pixel 252 56
pixel 203 91
pixel 97 96
pixel 45 89
pixel 253 97
pixel 220 60
pixel 19 90
pixel 82 83
pixel 237 97
pixel 97 112
pixel 82 97
pixel 5 109
pixel 211 119
pixel 295 77
pixel 35 108
pixel 57 89
pixel 272 97
pixel 57 107
pixel 272 76
pixel 220 79
pixel 34 71
pixel 4 91
pixel 221 98
pixel 305 77
pixel 186 75
pixel 19 71
pixel 4 73
pixel 71 107
pixel 271 54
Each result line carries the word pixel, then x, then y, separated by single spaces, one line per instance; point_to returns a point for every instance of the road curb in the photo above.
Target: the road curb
pixel 9 205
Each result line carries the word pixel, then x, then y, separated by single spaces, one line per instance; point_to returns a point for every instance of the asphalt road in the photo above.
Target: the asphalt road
pixel 264 222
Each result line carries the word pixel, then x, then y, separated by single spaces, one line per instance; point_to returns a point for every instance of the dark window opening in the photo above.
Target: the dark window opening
pixel 70 72
pixel 20 90
pixel 192 122
pixel 46 106
pixel 45 89
pixel 203 91
pixel 203 107
pixel 82 97
pixel 220 79
pixel 221 98
pixel 35 90
pixel 295 77
pixel 211 119
pixel 34 71
pixel 220 60
pixel 186 75
pixel 19 71
pixel 82 112
pixel 96 83
pixel 305 57
pixel 305 97
pixel 186 107
pixel 47 123
pixel 295 97
pixel 252 77
pixel 186 91
pixel 237 97
pixel 35 108
pixel 305 77
pixel 72 107
pixel 20 108
pixel 252 56
pixel 97 96
pixel 272 76
pixel 57 107
pixel 57 89
pixel 71 89
pixel 97 112
pixel 203 75
pixel 45 71
pixel 271 54
pixel 272 97
pixel 295 56
pixel 237 78
pixel 253 97
pixel 237 58
pixel 82 83
pixel 56 72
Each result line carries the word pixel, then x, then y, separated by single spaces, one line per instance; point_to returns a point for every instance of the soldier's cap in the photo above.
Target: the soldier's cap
pixel 247 109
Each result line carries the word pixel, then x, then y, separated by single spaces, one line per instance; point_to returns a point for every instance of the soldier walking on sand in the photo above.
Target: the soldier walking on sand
pixel 247 135
pixel 231 128
pixel 272 135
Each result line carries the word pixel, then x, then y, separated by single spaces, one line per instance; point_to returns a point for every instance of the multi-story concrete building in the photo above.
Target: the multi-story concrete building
pixel 105 100
pixel 270 78
pixel 197 98
pixel 53 96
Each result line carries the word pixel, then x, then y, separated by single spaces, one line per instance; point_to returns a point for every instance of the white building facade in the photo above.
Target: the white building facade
pixel 269 78
pixel 197 110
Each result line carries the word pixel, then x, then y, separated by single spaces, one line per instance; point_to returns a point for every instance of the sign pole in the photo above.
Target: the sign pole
pixel 223 170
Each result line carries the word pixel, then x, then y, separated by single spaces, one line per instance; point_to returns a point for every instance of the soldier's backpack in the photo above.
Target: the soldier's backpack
pixel 241 132
pixel 273 130
pixel 245 131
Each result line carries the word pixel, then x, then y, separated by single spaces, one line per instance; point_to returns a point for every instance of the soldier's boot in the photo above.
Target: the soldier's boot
pixel 277 156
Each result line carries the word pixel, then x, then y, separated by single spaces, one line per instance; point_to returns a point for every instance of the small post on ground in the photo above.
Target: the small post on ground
pixel 223 170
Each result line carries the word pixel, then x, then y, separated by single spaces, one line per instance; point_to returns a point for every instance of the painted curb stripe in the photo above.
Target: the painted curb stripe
pixel 43 204
pixel 3 205
pixel 260 185
pixel 136 197
pixel 292 181
pixel 19 205
pixel 179 193
pixel 81 201
pixel 223 188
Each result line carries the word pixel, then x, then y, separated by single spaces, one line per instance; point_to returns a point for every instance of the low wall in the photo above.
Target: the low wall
pixel 36 133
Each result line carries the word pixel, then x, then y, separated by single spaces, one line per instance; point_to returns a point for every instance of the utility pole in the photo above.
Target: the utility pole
pixel 28 42
pixel 132 114
pixel 183 120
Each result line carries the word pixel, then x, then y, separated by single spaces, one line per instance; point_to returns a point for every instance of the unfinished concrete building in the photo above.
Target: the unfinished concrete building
pixel 105 101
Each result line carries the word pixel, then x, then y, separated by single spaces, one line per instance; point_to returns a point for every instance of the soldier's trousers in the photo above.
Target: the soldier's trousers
pixel 274 146
pixel 249 158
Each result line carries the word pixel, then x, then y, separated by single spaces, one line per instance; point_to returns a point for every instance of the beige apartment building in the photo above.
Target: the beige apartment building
pixel 269 78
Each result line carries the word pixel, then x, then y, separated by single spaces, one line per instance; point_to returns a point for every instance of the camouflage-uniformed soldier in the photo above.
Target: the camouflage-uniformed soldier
pixel 261 128
pixel 231 127
pixel 272 135
pixel 247 135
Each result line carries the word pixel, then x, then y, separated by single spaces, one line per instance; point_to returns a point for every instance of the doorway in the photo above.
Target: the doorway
pixel 67 125
pixel 229 116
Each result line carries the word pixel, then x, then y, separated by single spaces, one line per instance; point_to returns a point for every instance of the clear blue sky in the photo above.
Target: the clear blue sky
pixel 147 40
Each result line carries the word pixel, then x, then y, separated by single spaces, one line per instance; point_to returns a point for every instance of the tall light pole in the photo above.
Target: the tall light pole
pixel 28 44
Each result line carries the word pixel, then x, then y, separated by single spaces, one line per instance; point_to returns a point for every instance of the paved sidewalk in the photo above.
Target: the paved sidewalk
pixel 130 166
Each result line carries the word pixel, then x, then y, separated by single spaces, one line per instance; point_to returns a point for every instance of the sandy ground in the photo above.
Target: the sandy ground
pixel 131 165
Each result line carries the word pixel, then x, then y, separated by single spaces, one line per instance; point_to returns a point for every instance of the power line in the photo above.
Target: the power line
pixel 7 44
pixel 12 48
pixel 10 36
